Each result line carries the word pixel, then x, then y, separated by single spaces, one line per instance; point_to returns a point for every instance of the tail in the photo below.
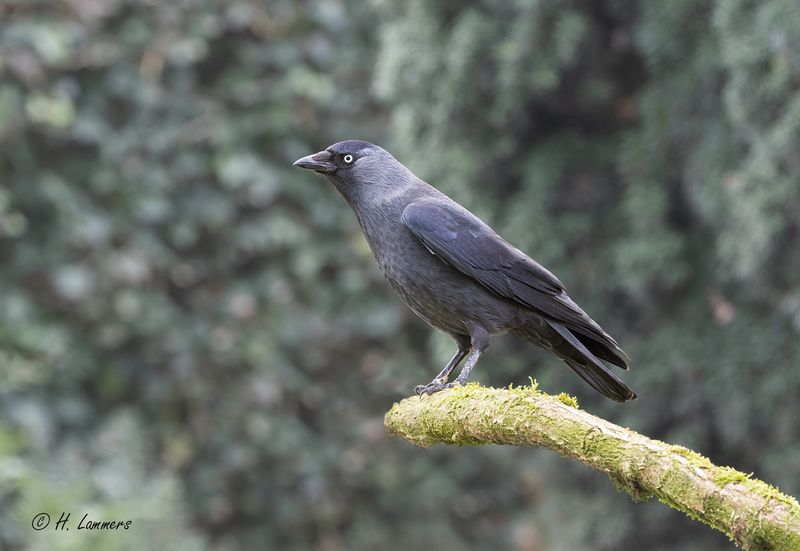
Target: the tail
pixel 602 380
pixel 608 350
pixel 586 364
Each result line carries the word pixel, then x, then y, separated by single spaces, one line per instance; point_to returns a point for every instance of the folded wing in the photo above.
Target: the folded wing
pixel 462 240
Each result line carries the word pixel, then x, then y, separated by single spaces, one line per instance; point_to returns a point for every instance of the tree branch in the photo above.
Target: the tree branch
pixel 755 515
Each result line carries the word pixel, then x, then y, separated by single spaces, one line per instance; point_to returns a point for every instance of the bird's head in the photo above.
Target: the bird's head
pixel 339 158
pixel 357 168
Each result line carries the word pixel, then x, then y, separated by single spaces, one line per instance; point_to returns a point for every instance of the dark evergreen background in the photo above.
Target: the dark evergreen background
pixel 193 334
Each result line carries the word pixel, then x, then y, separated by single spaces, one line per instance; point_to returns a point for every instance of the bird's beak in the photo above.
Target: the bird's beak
pixel 318 162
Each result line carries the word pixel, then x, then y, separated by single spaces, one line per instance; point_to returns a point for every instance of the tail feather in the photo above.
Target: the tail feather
pixel 612 355
pixel 603 381
pixel 590 369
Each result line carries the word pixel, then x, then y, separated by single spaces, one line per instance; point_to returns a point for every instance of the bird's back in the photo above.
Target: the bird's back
pixel 439 293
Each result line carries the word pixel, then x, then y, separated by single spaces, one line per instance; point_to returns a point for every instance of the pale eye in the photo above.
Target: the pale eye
pixel 348 159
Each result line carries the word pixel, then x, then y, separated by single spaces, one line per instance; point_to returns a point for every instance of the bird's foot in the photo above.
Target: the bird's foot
pixel 435 386
pixel 430 388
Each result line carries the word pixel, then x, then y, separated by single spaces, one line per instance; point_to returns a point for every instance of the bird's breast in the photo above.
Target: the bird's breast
pixel 438 293
pixel 435 291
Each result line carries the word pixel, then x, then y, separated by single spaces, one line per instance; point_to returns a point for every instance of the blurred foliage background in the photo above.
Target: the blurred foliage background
pixel 193 334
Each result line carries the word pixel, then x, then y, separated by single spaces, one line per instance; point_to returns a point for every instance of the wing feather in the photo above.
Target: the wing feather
pixel 465 242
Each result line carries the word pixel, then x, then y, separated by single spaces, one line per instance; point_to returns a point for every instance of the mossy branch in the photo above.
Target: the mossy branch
pixel 755 515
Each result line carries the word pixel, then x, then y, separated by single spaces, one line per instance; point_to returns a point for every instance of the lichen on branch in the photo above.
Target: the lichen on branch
pixel 755 515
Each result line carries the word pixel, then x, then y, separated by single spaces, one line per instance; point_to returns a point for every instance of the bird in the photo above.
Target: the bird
pixel 457 274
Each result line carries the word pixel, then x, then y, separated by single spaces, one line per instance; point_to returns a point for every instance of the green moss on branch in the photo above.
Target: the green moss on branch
pixel 755 515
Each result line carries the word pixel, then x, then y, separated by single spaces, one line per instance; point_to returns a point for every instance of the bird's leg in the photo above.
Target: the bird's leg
pixel 439 382
pixel 480 341
pixel 461 380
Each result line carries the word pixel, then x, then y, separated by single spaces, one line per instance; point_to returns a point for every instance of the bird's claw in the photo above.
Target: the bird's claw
pixel 430 388
pixel 434 386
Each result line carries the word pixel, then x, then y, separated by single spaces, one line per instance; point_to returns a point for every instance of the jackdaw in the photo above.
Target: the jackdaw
pixel 458 275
